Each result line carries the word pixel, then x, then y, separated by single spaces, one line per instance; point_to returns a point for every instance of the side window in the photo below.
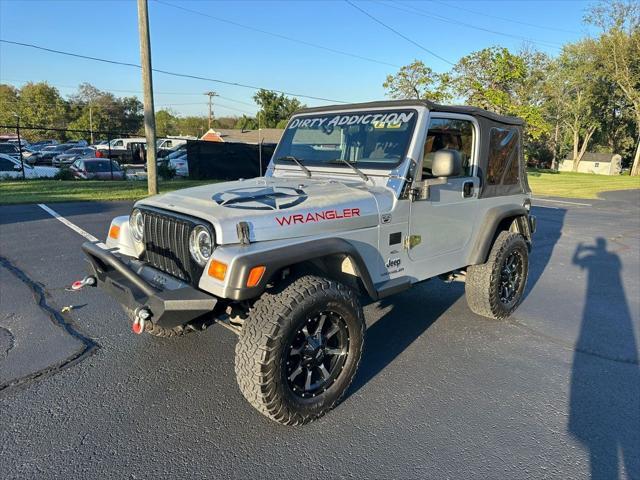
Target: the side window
pixel 451 134
pixel 119 143
pixel 503 157
pixel 6 165
pixel 167 144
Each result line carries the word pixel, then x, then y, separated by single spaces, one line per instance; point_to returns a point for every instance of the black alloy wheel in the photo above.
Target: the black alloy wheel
pixel 317 354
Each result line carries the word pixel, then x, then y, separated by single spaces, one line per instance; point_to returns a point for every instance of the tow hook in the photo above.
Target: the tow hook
pixel 142 315
pixel 88 281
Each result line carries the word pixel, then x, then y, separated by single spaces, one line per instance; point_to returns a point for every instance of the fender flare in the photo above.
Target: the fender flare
pixel 487 231
pixel 279 258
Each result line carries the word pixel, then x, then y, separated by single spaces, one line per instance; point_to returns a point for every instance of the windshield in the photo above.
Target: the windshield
pixel 101 166
pixel 370 139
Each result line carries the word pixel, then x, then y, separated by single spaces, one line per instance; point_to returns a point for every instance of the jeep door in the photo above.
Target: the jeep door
pixel 441 225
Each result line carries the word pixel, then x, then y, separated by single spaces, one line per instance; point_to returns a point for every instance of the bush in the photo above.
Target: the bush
pixel 166 172
pixel 64 174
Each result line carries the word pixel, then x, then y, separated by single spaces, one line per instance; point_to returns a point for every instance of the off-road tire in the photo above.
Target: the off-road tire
pixel 156 331
pixel 482 286
pixel 261 352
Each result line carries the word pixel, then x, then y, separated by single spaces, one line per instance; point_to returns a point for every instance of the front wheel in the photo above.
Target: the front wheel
pixel 300 349
pixel 495 288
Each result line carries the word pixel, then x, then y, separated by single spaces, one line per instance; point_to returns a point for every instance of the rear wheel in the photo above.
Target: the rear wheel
pixel 495 288
pixel 300 349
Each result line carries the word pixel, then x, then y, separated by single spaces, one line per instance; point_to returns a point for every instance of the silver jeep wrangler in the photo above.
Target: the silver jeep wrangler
pixel 362 200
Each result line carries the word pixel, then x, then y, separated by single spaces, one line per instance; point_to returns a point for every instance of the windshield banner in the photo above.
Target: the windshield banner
pixel 376 119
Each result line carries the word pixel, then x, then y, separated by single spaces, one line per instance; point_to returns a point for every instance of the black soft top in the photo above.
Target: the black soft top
pixel 435 107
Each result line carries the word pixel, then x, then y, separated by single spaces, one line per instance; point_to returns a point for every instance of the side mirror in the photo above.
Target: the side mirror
pixel 446 163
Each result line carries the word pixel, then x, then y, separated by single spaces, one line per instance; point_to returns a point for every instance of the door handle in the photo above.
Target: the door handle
pixel 467 189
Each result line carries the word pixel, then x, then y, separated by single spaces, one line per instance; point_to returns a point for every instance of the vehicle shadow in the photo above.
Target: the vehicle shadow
pixel 605 380
pixel 411 314
pixel 549 231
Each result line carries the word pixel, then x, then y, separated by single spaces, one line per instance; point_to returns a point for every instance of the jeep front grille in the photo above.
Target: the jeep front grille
pixel 166 239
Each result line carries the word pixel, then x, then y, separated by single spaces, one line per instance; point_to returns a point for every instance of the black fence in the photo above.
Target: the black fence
pixel 206 160
pixel 227 161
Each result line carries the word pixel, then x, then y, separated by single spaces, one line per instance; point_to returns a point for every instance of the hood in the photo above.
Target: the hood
pixel 277 208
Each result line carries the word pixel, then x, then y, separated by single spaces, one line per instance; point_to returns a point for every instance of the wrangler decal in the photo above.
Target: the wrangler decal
pixel 317 216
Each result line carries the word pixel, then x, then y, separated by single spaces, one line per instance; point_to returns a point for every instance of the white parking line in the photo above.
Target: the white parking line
pixel 537 199
pixel 72 226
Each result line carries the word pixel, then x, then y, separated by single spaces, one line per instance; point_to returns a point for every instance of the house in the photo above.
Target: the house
pixel 598 163
pixel 236 135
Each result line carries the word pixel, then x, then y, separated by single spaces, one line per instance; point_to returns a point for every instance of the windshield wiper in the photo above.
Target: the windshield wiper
pixel 297 162
pixel 360 173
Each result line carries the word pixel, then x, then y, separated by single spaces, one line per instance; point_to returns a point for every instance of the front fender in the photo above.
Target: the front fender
pixel 275 259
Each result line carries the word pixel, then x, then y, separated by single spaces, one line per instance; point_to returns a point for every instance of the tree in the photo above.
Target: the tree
pixel 416 80
pixel 166 123
pixel 224 122
pixel 275 107
pixel 509 84
pixel 246 123
pixel 96 110
pixel 575 80
pixel 41 104
pixel 192 125
pixel 9 105
pixel 618 50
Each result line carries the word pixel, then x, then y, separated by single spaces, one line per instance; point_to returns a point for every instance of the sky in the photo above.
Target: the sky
pixel 335 50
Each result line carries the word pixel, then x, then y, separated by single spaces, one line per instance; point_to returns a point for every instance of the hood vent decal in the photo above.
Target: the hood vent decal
pixel 261 198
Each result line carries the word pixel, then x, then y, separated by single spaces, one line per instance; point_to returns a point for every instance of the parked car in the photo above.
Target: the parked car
pixel 37 146
pixel 180 165
pixel 68 157
pixel 12 168
pixel 46 155
pixel 11 149
pixel 96 169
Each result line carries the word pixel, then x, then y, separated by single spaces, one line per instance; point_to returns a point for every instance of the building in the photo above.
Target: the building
pixel 236 135
pixel 598 163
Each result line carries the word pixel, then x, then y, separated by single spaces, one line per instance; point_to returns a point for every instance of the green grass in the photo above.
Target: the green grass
pixel 544 183
pixel 48 191
pixel 578 185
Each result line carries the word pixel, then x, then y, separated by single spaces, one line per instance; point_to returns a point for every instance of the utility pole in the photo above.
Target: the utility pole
pixel 147 84
pixel 91 121
pixel 211 95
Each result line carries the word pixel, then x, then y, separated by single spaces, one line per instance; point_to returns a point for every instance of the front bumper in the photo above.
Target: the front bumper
pixel 169 307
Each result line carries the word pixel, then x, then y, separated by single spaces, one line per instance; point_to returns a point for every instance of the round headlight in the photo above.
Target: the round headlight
pixel 136 224
pixel 201 244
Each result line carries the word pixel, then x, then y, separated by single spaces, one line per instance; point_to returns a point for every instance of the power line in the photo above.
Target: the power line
pixel 109 90
pixel 399 33
pixel 97 106
pixel 166 72
pixel 416 11
pixel 277 35
pixel 512 20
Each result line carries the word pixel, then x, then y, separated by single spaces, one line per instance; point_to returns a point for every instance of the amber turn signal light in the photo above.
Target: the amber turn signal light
pixel 114 232
pixel 255 275
pixel 217 269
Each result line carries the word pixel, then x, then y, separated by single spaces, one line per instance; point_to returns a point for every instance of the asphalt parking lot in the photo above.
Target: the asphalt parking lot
pixel 442 393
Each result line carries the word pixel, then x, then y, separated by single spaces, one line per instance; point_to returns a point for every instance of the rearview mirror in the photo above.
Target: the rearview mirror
pixel 446 163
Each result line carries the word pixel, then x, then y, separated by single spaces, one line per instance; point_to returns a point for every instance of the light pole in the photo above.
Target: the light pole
pixel 211 95
pixel 20 144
